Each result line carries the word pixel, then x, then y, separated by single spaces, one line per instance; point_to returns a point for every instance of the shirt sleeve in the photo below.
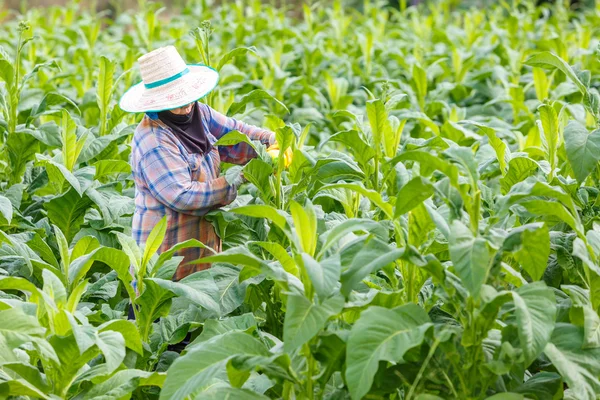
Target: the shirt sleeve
pixel 240 153
pixel 168 179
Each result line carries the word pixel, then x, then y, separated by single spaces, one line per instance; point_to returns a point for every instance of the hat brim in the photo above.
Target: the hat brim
pixel 196 84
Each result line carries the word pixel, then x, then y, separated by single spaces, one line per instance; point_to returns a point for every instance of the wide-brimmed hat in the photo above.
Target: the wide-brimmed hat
pixel 168 82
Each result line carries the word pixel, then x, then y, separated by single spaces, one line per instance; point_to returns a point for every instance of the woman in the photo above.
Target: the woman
pixel 174 162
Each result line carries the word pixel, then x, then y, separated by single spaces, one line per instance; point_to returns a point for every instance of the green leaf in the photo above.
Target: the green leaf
pixel 541 83
pixel 22 329
pixel 372 256
pixel 535 309
pixel 194 371
pixel 547 59
pixel 229 393
pixel 128 330
pixel 238 51
pixel 153 243
pixel 253 96
pixel 67 211
pixel 277 251
pixel 373 196
pixel 381 334
pixel 416 191
pixel 106 168
pixel 303 319
pixel 112 346
pixel 188 292
pixel 550 133
pixel 305 223
pixel 429 163
pixel 378 119
pixel 6 209
pixel 323 275
pixel 104 90
pixel 130 247
pixel 263 211
pixel 234 137
pixel 122 384
pixel 578 366
pixel 472 257
pixel 153 303
pixel 530 246
pixel 542 386
pixel 347 227
pixel 583 149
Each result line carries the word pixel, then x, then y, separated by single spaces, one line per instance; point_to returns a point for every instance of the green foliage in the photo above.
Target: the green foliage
pixel 435 236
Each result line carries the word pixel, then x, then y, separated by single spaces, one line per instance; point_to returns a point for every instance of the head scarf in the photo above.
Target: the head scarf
pixel 188 128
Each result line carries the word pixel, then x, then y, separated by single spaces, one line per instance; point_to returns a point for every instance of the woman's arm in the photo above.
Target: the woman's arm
pixel 241 153
pixel 168 178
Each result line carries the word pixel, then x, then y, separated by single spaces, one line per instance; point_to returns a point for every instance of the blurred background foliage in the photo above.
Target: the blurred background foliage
pixel 118 5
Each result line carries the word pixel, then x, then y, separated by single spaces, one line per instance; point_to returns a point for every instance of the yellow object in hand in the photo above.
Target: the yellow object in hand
pixel 273 151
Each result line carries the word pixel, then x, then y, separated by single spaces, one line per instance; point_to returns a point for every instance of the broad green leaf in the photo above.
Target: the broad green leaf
pixel 547 59
pixel 106 168
pixel 104 90
pixel 130 247
pixel 122 384
pixel 374 255
pixel 429 163
pixel 372 195
pixel 229 393
pixel 238 51
pixel 472 257
pixel 324 275
pixel 550 133
pixel 195 370
pixel 346 228
pixel 30 374
pixel 253 96
pixel 20 387
pixel 579 367
pixel 114 258
pixel 153 243
pixel 583 149
pixel 6 209
pixel 553 208
pixel 58 173
pixel 543 385
pixel 214 327
pixel 112 345
pixel 304 319
pixel 166 255
pixel 530 246
pixel 153 303
pixel 535 309
pixel 381 334
pixel 378 119
pixel 67 211
pixel 277 251
pixel 22 329
pixel 234 137
pixel 263 211
pixel 305 223
pixel 128 330
pixel 541 83
pixel 419 77
pixel 416 191
pixel 186 291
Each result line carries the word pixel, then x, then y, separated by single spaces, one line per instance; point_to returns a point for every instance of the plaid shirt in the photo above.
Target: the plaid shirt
pixel 185 186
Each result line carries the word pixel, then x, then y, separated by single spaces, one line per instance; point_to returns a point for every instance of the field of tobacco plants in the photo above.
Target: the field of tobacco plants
pixel 436 236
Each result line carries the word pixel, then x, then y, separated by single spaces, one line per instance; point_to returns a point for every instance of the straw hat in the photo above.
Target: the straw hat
pixel 167 82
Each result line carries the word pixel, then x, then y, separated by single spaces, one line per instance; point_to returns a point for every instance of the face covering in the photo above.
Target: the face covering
pixel 188 129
